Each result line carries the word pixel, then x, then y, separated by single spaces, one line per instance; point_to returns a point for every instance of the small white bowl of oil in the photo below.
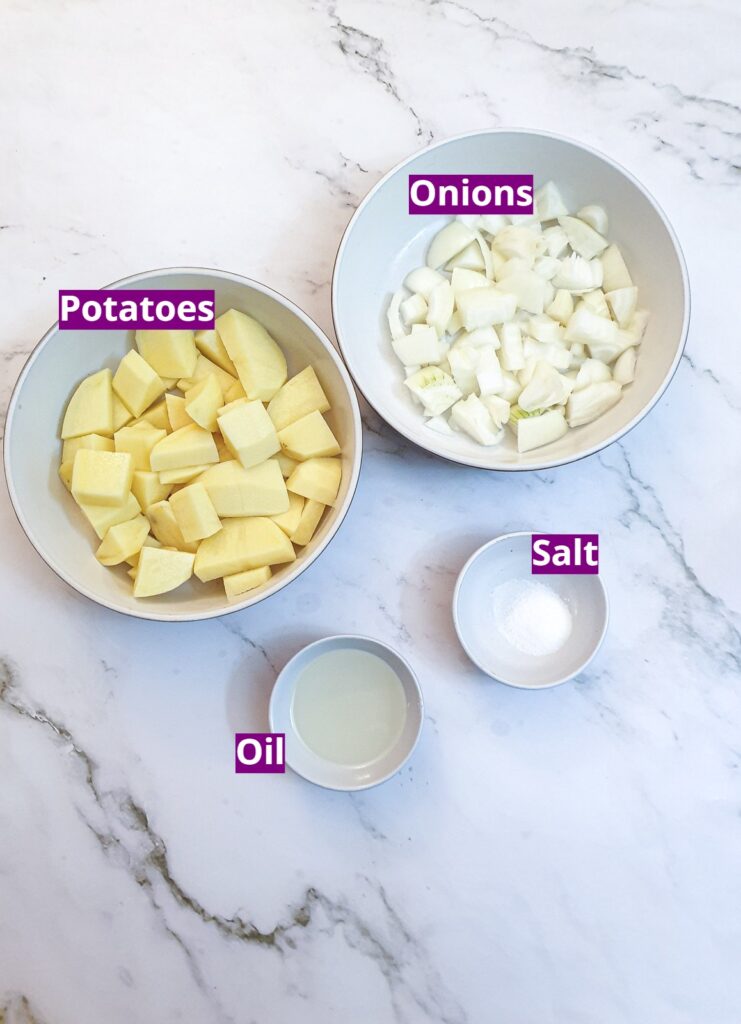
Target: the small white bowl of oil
pixel 351 709
pixel 530 631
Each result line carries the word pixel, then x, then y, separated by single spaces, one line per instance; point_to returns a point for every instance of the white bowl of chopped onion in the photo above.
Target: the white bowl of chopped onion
pixel 513 343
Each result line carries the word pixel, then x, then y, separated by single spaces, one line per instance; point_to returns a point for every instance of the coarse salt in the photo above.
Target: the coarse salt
pixel 531 616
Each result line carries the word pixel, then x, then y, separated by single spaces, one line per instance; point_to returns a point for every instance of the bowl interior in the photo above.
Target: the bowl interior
pixel 326 773
pixel 508 558
pixel 33 449
pixel 384 243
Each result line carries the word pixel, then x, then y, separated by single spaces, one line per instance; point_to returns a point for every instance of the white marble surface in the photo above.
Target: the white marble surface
pixel 564 857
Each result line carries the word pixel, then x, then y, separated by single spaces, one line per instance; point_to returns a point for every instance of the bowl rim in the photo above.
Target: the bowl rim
pixel 471 460
pixel 280 680
pixel 260 595
pixel 508 682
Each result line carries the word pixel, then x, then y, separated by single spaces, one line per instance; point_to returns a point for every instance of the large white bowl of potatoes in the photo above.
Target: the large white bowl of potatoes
pixel 181 475
pixel 512 342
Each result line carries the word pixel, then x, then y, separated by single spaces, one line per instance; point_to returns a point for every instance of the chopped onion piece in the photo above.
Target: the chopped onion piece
pixel 440 306
pixel 434 388
pixel 562 307
pixel 556 242
pixel 535 431
pixel 588 403
pixel 470 258
pixel 583 240
pixel 492 222
pixel 625 365
pixel 623 303
pixel 596 302
pixel 546 388
pixel 420 347
pixel 550 203
pixel 488 372
pixel 482 307
pixel 528 289
pixel 447 243
pixel 614 272
pixel 591 371
pixel 601 336
pixel 595 216
pixel 462 280
pixel 518 241
pixel 393 315
pixel 578 275
pixel 472 416
pixel 440 425
pixel 512 356
pixel 423 280
pixel 414 309
pixel 498 408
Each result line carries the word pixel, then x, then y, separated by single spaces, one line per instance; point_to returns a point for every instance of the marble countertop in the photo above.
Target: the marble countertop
pixel 561 857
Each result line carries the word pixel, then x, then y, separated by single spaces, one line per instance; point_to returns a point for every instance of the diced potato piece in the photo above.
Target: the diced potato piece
pixel 138 441
pixel 156 416
pixel 308 438
pixel 176 413
pixel 166 529
pixel 159 571
pixel 183 475
pixel 241 582
pixel 249 433
pixel 202 401
pixel 242 544
pixel 286 463
pixel 101 478
pixel 234 391
pixel 188 446
pixel 195 513
pixel 122 541
pixel 148 489
pixel 260 364
pixel 307 524
pixel 211 346
pixel 149 542
pixel 233 405
pixel 96 442
pixel 103 517
pixel 288 521
pixel 90 409
pixel 298 397
pixel 65 473
pixel 121 415
pixel 131 572
pixel 169 353
pixel 205 368
pixel 136 383
pixel 318 479
pixel 235 491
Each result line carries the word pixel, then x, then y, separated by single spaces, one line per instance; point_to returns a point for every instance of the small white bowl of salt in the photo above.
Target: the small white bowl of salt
pixel 527 630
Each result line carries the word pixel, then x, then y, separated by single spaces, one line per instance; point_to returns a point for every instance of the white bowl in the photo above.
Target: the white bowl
pixel 507 558
pixel 382 243
pixel 32 448
pixel 329 774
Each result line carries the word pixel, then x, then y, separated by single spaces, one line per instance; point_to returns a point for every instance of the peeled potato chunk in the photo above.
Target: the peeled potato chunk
pixel 103 517
pixel 136 383
pixel 101 478
pixel 248 432
pixel 176 413
pixel 188 446
pixel 169 353
pixel 183 475
pixel 205 368
pixel 195 513
pixel 160 570
pixel 95 441
pixel 311 514
pixel 203 400
pixel 242 544
pixel 318 479
pixel 211 346
pixel 90 409
pixel 242 582
pixel 260 363
pixel 308 438
pixel 156 416
pixel 138 441
pixel 148 489
pixel 166 529
pixel 289 520
pixel 122 541
pixel 298 397
pixel 237 492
